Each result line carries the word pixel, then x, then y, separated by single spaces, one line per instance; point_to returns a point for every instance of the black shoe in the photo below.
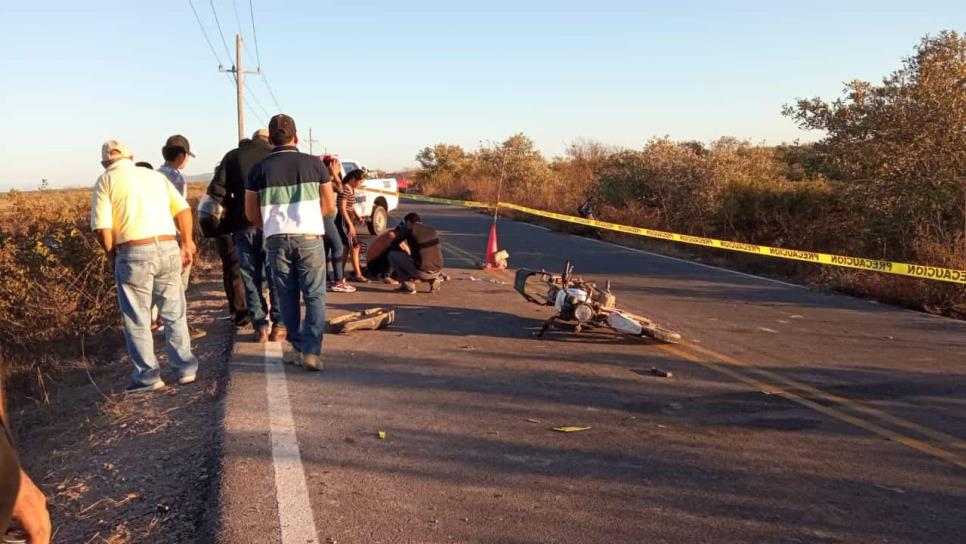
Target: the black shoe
pixel 142 388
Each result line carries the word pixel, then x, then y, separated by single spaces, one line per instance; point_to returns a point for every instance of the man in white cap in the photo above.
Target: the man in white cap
pixel 132 215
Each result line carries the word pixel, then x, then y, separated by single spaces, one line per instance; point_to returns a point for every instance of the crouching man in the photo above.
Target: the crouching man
pixel 416 254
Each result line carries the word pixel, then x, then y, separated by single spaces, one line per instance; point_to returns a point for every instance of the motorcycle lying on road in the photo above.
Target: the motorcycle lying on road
pixel 584 304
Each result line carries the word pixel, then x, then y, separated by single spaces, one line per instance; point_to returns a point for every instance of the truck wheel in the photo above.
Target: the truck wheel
pixel 378 221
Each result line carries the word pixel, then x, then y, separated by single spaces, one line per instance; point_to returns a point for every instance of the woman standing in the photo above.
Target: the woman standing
pixel 347 219
pixel 333 240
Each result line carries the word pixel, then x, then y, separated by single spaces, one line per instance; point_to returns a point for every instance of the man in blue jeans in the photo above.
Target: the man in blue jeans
pixel 288 194
pixel 228 185
pixel 132 213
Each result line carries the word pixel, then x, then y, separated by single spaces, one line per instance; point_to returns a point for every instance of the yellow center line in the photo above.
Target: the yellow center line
pixel 945 439
pixel 835 413
pixel 791 385
pixel 463 255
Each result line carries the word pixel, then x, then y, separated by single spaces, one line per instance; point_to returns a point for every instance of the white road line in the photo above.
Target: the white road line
pixel 291 492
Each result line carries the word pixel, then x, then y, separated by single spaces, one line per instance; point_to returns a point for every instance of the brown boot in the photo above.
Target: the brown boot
pixel 278 333
pixel 261 335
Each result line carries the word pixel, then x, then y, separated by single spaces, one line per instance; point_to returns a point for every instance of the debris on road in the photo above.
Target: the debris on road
pixel 660 373
pixel 381 435
pixel 570 429
pixel 370 319
pixel 584 304
pixel 531 420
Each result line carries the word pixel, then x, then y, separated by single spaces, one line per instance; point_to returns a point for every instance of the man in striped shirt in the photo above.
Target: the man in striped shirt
pixel 287 194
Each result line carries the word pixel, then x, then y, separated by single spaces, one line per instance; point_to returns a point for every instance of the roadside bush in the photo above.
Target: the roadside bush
pixel 55 284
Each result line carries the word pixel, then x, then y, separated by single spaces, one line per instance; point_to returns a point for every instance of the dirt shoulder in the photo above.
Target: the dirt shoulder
pixel 139 468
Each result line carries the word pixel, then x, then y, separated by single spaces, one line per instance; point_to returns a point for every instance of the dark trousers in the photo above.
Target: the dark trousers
pixel 250 247
pixel 333 249
pixel 231 276
pixel 378 266
pixel 406 269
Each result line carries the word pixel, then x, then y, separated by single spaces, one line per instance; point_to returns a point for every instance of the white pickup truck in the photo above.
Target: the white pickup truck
pixel 374 207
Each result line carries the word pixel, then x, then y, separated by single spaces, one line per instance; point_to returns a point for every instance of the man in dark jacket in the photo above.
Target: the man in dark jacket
pixel 229 185
pixel 416 254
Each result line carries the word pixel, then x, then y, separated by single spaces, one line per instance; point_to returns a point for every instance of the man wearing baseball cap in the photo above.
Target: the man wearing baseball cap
pixel 132 213
pixel 176 151
pixel 287 195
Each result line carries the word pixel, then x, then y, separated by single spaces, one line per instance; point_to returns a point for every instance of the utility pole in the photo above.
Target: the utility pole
pixel 311 142
pixel 239 84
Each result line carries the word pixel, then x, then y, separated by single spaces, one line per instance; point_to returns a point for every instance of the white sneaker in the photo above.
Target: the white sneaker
pixel 342 287
pixel 187 378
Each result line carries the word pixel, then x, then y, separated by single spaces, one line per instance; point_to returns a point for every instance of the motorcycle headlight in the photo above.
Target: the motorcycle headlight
pixel 583 312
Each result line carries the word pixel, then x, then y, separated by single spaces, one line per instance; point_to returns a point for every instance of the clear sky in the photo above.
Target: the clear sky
pixel 379 80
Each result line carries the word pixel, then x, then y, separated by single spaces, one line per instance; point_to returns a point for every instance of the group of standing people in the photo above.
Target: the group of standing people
pixel 287 215
pixel 293 222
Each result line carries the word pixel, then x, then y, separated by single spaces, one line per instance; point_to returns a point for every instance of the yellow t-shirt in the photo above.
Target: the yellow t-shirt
pixel 135 203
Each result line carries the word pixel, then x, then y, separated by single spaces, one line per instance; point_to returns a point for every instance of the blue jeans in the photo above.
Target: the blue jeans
pixel 333 249
pixel 151 274
pixel 298 268
pixel 252 262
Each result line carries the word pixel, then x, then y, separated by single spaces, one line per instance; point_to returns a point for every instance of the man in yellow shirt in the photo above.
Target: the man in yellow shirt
pixel 132 215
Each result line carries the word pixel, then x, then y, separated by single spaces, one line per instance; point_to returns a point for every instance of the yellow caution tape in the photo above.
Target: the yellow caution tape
pixel 433 199
pixel 926 272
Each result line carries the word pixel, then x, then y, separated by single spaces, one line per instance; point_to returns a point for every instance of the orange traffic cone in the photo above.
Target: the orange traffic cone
pixel 491 250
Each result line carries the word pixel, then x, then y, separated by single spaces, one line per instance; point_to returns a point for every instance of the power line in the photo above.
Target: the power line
pixel 232 74
pixel 257 101
pixel 220 32
pixel 272 94
pixel 205 33
pixel 251 10
pixel 234 6
pixel 248 51
pixel 258 56
pixel 261 118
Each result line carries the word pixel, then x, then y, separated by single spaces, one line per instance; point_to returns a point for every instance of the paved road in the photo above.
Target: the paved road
pixel 792 416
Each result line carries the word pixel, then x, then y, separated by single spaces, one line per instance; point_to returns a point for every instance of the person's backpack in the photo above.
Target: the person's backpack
pixel 211 215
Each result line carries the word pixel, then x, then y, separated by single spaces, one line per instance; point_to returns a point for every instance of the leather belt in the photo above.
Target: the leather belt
pixel 146 241
pixel 290 236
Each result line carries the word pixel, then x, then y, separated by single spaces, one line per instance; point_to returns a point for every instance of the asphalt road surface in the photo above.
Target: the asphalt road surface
pixel 792 416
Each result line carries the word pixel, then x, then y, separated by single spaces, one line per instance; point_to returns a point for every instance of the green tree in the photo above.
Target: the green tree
pixel 525 171
pixel 904 141
pixel 443 165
